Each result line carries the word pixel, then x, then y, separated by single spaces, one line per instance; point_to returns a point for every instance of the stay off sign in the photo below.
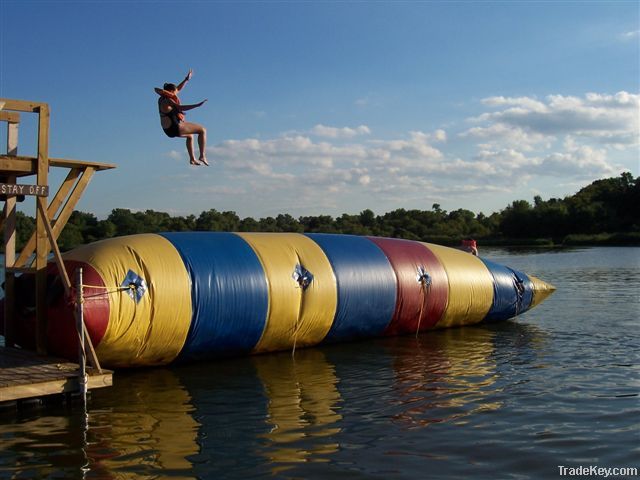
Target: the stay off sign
pixel 15 189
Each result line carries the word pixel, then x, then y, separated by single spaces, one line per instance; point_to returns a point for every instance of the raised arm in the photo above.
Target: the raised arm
pixel 186 79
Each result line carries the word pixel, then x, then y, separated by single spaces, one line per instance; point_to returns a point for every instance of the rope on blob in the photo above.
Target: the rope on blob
pixel 424 279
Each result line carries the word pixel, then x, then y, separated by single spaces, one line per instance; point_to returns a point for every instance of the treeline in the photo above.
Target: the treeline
pixel 606 211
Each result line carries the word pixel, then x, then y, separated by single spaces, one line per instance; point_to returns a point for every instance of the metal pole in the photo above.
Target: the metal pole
pixel 82 359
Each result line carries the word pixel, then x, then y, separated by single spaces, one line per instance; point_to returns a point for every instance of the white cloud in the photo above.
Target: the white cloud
pixel 344 132
pixel 517 144
pixel 177 156
pixel 519 103
pixel 498 134
pixel 298 161
pixel 364 180
pixel 439 136
pixel 608 119
pixel 629 36
pixel 581 161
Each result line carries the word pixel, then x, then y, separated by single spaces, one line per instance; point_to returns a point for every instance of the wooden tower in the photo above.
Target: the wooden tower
pixel 52 213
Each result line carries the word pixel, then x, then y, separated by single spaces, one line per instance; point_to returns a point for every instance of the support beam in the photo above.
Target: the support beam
pixel 73 200
pixel 12 136
pixel 59 222
pixel 11 117
pixel 57 256
pixel 9 225
pixel 60 197
pixel 22 105
pixel 9 276
pixel 42 244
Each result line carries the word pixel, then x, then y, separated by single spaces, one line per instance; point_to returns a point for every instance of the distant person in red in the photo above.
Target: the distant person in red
pixel 172 119
pixel 470 246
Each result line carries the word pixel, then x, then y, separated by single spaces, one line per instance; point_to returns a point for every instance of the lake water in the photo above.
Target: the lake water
pixel 559 386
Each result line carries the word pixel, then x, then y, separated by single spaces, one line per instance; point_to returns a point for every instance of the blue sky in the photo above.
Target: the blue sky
pixel 332 107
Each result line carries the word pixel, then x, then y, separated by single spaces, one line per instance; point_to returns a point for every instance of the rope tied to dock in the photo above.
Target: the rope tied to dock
pixel 108 291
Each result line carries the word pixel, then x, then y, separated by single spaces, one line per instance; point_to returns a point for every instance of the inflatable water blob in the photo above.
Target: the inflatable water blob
pixel 155 299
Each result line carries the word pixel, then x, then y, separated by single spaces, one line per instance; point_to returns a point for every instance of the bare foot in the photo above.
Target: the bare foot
pixel 204 160
pixel 195 162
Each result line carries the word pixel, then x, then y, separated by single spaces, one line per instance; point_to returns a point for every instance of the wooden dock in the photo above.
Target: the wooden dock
pixel 25 374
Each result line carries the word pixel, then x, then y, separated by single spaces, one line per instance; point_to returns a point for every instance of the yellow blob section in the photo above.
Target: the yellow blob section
pixel 296 317
pixel 153 330
pixel 541 290
pixel 470 287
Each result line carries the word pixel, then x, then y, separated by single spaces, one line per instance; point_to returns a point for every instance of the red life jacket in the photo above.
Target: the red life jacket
pixel 173 97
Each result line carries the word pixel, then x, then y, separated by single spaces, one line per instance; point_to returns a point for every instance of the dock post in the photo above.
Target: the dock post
pixel 82 358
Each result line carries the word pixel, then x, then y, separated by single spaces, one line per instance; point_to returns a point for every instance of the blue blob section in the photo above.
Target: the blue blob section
pixel 366 286
pixel 229 293
pixel 512 292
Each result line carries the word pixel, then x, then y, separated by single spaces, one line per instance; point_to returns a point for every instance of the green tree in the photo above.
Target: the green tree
pixel 215 221
pixel 182 224
pixel 25 226
pixel 71 237
pixel 125 222
pixel 86 225
pixel 517 219
pixel 286 223
pixel 106 229
pixel 321 223
pixel 248 224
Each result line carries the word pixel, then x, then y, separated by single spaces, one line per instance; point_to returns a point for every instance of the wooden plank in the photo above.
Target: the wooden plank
pixel 9 279
pixel 4 212
pixel 23 374
pixel 22 105
pixel 9 228
pixel 54 246
pixel 10 202
pixel 72 201
pixel 18 164
pixel 9 276
pixel 62 192
pixel 43 384
pixel 28 164
pixel 42 244
pixel 21 270
pixel 12 138
pixel 10 231
pixel 68 163
pixel 43 387
pixel 11 117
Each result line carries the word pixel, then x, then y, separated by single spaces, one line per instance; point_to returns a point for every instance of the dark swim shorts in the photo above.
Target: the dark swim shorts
pixel 173 130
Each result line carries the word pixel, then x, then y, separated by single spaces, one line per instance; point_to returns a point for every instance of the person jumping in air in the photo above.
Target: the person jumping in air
pixel 172 119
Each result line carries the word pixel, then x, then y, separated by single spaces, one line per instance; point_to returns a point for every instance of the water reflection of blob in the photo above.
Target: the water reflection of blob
pixel 302 409
pixel 443 376
pixel 144 429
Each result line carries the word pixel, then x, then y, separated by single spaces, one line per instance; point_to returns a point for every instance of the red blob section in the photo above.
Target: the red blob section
pixel 62 339
pixel 61 327
pixel 418 307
